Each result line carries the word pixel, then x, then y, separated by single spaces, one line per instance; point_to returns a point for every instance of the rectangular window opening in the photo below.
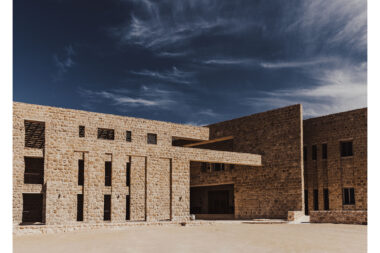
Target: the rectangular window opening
pixel 315 193
pixel 128 208
pixel 324 151
pixel 34 170
pixel 152 138
pixel 326 199
pixel 106 134
pixel 348 196
pixel 128 136
pixel 314 152
pixel 346 148
pixel 34 134
pixel 107 207
pixel 128 179
pixel 79 207
pixel 81 172
pixel 304 153
pixel 81 131
pixel 108 174
pixel 32 207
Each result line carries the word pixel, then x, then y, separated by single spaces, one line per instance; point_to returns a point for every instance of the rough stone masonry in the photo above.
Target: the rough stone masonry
pixel 84 169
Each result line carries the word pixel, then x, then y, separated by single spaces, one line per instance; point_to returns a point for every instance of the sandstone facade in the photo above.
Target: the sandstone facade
pixel 159 173
pixel 266 165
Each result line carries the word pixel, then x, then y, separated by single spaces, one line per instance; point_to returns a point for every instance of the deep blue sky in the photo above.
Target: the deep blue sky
pixel 196 61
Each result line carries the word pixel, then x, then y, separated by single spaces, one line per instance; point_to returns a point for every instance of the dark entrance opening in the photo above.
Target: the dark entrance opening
pixel 212 202
pixel 32 207
pixel 306 203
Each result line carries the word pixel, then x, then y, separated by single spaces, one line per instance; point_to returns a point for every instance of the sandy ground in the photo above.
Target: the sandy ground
pixel 243 237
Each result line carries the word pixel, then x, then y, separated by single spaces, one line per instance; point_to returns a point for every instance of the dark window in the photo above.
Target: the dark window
pixel 315 199
pixel 34 134
pixel 204 167
pixel 81 131
pixel 107 134
pixel 304 153
pixel 306 202
pixel 32 207
pixel 324 151
pixel 34 170
pixel 348 196
pixel 128 136
pixel 128 180
pixel 326 199
pixel 218 166
pixel 107 207
pixel 108 173
pixel 127 208
pixel 314 152
pixel 346 148
pixel 79 207
pixel 152 138
pixel 80 172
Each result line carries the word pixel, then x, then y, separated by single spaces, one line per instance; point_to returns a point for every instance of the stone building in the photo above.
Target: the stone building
pixel 73 168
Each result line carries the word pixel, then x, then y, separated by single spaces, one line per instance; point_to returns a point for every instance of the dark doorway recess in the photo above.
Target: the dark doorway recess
pixel 306 202
pixel 212 202
pixel 32 207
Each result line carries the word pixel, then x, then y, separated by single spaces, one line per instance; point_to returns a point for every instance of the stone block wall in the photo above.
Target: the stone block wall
pixel 276 187
pixel 339 216
pixel 337 172
pixel 159 187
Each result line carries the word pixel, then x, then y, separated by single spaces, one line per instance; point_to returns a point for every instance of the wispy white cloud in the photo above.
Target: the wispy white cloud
pixel 161 24
pixel 145 97
pixel 173 54
pixel 64 63
pixel 174 75
pixel 348 19
pixel 230 61
pixel 208 113
pixel 337 90
pixel 294 64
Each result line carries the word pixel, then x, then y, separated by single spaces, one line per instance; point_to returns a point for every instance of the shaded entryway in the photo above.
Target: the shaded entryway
pixel 32 207
pixel 212 202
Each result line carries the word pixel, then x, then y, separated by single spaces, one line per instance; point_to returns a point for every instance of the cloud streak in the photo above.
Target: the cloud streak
pixel 337 90
pixel 64 63
pixel 174 75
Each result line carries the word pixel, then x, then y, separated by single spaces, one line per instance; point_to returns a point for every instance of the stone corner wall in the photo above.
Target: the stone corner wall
pixel 295 215
pixel 339 217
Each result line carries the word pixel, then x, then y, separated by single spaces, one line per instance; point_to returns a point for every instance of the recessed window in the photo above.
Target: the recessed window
pixel 304 153
pixel 152 138
pixel 81 131
pixel 32 207
pixel 127 208
pixel 80 172
pixel 128 179
pixel 128 136
pixel 324 151
pixel 108 174
pixel 107 207
pixel 346 148
pixel 218 166
pixel 34 170
pixel 314 152
pixel 326 199
pixel 34 134
pixel 79 207
pixel 348 196
pixel 204 167
pixel 315 195
pixel 106 134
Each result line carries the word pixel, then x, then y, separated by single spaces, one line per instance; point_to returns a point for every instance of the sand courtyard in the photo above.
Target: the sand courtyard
pixel 219 237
